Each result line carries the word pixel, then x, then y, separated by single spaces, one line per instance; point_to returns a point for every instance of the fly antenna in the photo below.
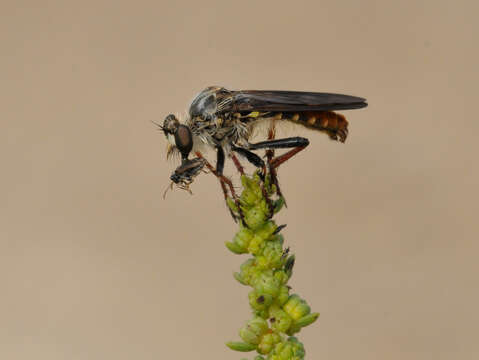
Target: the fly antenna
pixel 160 126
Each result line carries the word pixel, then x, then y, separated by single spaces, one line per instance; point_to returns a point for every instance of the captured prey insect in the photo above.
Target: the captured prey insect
pixel 183 175
pixel 225 120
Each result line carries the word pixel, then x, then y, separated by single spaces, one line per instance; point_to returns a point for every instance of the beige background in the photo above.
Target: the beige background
pixel 96 265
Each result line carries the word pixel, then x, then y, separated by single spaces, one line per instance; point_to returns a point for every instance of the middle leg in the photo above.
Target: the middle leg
pixel 224 181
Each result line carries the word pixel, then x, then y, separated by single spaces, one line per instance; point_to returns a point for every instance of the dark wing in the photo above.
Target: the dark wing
pixel 274 100
pixel 215 100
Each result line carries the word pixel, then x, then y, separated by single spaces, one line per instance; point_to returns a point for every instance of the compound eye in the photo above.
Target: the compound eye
pixel 184 140
pixel 170 124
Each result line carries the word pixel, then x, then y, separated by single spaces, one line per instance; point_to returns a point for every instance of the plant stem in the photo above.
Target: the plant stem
pixel 277 314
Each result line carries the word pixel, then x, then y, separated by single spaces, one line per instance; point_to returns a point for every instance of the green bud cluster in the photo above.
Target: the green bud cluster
pixel 277 314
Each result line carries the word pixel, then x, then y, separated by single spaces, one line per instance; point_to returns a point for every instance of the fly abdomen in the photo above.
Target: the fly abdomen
pixel 333 124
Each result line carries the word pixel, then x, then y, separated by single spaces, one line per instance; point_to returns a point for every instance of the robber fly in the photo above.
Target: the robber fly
pixel 225 120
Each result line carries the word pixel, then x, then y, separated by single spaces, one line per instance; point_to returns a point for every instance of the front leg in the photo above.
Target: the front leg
pixel 220 161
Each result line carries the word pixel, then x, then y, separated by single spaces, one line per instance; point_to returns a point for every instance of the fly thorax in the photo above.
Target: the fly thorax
pixel 204 104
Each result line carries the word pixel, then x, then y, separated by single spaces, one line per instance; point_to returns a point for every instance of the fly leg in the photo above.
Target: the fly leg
pixel 258 162
pixel 278 160
pixel 297 143
pixel 238 165
pixel 286 143
pixel 224 181
pixel 241 171
pixel 250 156
pixel 271 136
pixel 270 155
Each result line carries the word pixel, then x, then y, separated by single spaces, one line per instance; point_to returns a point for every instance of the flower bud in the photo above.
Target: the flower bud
pixel 281 276
pixel 256 245
pixel 307 320
pixel 248 199
pixel 240 346
pixel 280 321
pixel 296 307
pixel 268 341
pixel 267 284
pixel 271 257
pixel 266 230
pixel 240 241
pixel 259 301
pixel 232 205
pixel 254 330
pixel 249 272
pixel 239 278
pixel 246 182
pixel 283 295
pixel 291 349
pixel 264 314
pixel 235 248
pixel 254 217
pixel 252 191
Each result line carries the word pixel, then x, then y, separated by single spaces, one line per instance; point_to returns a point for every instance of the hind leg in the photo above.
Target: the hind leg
pixel 297 143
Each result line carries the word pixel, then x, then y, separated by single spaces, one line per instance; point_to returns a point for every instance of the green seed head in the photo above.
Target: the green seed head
pixel 259 301
pixel 268 342
pixel 255 217
pixel 292 349
pixel 296 307
pixel 280 321
pixel 252 332
pixel 276 313
pixel 283 295
pixel 267 284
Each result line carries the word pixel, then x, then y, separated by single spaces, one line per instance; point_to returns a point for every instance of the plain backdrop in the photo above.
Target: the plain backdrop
pixel 94 264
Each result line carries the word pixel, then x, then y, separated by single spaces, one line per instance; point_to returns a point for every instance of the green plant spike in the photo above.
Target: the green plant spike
pixel 277 314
